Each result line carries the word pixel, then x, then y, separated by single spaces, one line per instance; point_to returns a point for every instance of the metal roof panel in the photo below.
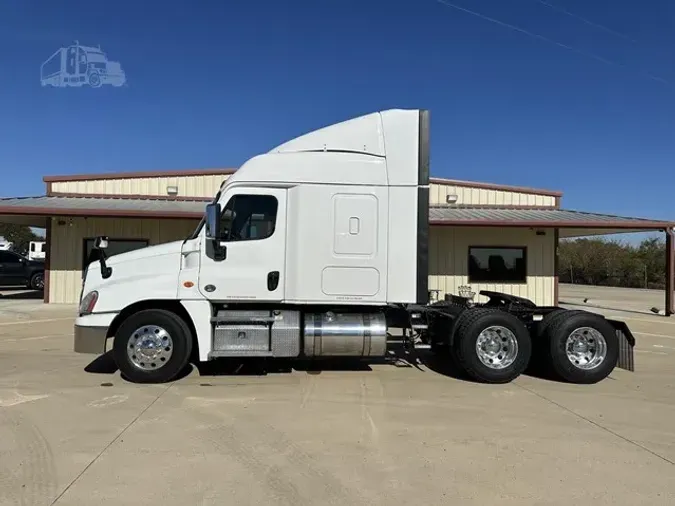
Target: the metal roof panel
pixel 438 215
pixel 544 217
pixel 86 206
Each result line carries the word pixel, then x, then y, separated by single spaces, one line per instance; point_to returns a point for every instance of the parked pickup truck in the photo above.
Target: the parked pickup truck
pixel 18 270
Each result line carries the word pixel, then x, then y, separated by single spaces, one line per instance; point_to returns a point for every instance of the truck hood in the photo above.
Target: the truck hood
pixel 149 273
pixel 169 248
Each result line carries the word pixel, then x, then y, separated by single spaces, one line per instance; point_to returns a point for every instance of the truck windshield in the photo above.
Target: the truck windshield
pixel 194 234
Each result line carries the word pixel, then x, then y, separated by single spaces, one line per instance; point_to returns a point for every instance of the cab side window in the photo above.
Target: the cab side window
pixel 249 217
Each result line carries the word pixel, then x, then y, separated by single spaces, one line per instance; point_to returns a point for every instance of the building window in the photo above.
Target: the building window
pixel 499 264
pixel 249 217
pixel 115 247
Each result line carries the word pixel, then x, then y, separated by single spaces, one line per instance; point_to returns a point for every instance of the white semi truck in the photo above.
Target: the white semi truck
pixel 316 249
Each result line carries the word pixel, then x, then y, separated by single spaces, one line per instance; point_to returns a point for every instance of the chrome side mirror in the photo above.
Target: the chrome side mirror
pixel 101 242
pixel 212 222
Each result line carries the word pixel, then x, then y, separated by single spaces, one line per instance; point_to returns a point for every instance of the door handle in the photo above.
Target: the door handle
pixel 273 280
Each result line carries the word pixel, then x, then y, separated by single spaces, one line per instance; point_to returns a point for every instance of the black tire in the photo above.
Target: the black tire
pixel 561 328
pixel 440 349
pixel 180 337
pixel 37 281
pixel 546 321
pixel 469 328
pixel 539 362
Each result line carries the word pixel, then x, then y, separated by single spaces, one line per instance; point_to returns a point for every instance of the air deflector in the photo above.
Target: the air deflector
pixel 423 149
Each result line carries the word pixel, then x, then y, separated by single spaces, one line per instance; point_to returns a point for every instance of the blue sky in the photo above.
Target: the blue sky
pixel 211 83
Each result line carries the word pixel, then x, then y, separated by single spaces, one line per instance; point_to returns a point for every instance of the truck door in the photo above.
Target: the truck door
pixel 250 265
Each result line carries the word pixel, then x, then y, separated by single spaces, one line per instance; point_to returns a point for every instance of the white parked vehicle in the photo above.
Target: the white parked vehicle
pixel 316 249
pixel 36 250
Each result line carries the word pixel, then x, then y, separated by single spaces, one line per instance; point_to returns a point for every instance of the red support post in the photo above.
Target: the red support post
pixel 670 271
pixel 48 258
pixel 556 267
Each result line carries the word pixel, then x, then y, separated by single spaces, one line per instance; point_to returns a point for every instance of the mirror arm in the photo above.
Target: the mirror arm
pixel 220 250
pixel 106 271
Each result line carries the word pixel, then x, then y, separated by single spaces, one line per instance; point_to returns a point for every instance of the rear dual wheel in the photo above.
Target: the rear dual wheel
pixel 579 347
pixel 494 346
pixel 491 346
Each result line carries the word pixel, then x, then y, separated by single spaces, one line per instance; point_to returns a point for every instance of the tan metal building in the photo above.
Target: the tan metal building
pixel 482 236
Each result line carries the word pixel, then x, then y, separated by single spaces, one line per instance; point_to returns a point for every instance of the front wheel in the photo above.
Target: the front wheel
pixel 582 347
pixel 152 346
pixel 37 281
pixel 492 346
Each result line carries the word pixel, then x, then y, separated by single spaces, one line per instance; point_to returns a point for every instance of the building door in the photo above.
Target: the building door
pixel 250 266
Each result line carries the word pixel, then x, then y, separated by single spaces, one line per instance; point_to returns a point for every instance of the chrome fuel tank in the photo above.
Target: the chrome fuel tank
pixel 345 334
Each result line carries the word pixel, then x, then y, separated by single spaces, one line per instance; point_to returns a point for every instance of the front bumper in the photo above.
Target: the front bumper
pixel 91 333
pixel 90 339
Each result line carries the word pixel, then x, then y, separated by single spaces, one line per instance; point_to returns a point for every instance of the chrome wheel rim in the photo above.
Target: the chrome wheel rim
pixel 39 282
pixel 497 347
pixel 150 347
pixel 586 348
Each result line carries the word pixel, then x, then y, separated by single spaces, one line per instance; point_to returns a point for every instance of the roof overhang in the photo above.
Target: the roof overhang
pixel 28 220
pixel 571 223
pixel 571 233
pixel 34 211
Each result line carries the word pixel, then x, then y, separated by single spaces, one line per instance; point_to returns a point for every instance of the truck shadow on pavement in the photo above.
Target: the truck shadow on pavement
pixel 422 360
pixel 263 367
pixel 105 365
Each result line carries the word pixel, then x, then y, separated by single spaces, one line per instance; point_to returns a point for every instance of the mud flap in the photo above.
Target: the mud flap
pixel 626 345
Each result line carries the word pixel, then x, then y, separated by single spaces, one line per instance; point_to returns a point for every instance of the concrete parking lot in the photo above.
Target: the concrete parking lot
pixel 626 299
pixel 384 434
pixel 19 293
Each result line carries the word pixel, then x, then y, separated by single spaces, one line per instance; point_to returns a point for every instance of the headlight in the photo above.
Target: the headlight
pixel 88 303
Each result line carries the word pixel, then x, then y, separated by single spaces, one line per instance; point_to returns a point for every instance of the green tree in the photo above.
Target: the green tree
pixel 651 253
pixel 613 263
pixel 19 235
